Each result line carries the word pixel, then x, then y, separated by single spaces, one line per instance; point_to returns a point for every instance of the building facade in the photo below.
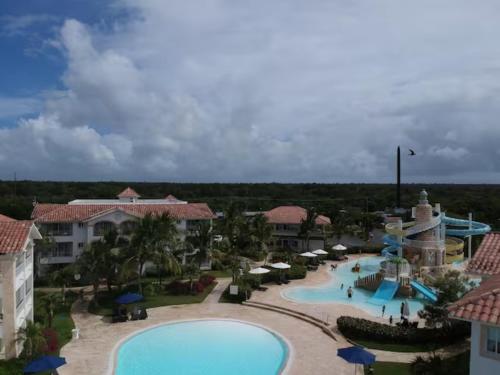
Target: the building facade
pixel 74 225
pixel 286 222
pixel 481 307
pixel 16 281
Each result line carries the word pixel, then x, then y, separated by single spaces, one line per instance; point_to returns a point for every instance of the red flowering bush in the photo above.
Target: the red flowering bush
pixel 198 287
pixel 51 339
pixel 206 280
pixel 177 288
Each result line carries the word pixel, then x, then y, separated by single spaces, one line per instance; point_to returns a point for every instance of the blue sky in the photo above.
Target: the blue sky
pixel 218 90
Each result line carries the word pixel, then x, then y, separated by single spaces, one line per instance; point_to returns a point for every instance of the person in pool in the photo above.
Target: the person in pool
pixel 349 292
pixel 342 286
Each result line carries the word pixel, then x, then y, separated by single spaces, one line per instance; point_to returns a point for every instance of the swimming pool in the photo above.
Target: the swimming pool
pixel 332 292
pixel 203 347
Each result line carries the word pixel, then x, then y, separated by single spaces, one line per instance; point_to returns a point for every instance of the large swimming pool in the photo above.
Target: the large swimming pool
pixel 332 292
pixel 203 347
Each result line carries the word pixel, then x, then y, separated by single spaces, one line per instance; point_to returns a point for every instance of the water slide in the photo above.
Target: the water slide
pixel 385 292
pixel 424 290
pixel 470 228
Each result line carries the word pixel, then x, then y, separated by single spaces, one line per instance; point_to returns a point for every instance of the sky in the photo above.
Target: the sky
pixel 250 91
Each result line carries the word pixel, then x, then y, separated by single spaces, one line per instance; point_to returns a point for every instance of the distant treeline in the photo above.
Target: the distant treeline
pixel 483 200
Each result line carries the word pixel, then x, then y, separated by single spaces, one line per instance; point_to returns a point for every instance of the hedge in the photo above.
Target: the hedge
pixel 356 328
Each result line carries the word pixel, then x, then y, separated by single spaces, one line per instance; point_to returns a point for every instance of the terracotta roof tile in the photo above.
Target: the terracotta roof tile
pixel 486 260
pixel 4 219
pixel 128 193
pixel 291 215
pixel 83 212
pixel 481 304
pixel 13 235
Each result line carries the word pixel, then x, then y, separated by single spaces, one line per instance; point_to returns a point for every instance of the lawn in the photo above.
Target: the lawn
pixel 219 273
pixel 395 347
pixel 390 368
pixel 62 324
pixel 106 300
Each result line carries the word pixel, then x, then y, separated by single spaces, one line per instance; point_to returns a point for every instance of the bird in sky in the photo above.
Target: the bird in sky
pixel 412 153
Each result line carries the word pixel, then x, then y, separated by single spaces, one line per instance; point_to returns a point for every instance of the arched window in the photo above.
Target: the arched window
pixel 128 227
pixel 103 227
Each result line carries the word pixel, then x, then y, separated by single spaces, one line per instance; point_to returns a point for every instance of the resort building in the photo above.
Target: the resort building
pixel 481 307
pixel 16 281
pixel 76 224
pixel 486 260
pixel 286 222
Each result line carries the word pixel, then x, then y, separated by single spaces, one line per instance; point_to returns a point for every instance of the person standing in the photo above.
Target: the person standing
pixel 349 292
pixel 402 309
pixel 390 320
pixel 383 310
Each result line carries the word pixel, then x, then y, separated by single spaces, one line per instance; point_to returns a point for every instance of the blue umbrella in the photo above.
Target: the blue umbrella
pixel 129 298
pixel 44 363
pixel 356 354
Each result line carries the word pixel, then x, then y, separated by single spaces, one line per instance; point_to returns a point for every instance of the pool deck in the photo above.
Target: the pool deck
pixel 312 352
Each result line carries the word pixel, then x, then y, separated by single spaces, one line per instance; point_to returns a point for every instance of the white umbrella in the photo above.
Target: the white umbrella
pixel 320 252
pixel 339 247
pixel 259 271
pixel 406 309
pixel 280 266
pixel 307 254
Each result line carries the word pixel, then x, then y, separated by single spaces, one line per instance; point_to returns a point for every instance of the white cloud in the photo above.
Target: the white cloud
pixel 273 91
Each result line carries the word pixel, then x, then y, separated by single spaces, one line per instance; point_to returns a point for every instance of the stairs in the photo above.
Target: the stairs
pixel 324 326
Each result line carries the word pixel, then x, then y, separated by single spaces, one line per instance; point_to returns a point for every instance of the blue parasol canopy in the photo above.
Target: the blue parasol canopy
pixel 44 363
pixel 356 354
pixel 129 298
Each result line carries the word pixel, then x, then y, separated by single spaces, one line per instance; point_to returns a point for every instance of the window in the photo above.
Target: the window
pixel 19 260
pixel 81 225
pixel 127 227
pixel 28 284
pixel 63 249
pixel 493 340
pixel 81 245
pixel 57 229
pixel 103 227
pixel 19 296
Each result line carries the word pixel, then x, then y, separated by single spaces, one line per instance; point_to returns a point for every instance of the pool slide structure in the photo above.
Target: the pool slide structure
pixel 399 234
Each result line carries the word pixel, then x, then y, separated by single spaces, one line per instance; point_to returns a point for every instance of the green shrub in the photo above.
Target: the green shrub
pixel 244 293
pixel 356 328
pixel 297 272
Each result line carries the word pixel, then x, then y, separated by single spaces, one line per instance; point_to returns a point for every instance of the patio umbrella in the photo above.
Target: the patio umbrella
pixel 356 354
pixel 127 298
pixel 259 271
pixel 320 252
pixel 280 266
pixel 339 247
pixel 44 363
pixel 308 254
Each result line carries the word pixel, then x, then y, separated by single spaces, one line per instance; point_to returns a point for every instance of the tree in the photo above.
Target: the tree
pixel 432 365
pixel 152 236
pixel 32 338
pixel 398 261
pixel 452 286
pixel 190 270
pixel 50 302
pixel 91 264
pixel 201 240
pixel 63 277
pixel 341 224
pixel 261 234
pixel 307 226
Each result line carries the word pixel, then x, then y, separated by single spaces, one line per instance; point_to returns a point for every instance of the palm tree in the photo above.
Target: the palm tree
pixel 63 277
pixel 341 224
pixel 152 236
pixel 201 240
pixel 307 226
pixel 50 302
pixel 92 265
pixel 190 270
pixel 32 337
pixel 261 233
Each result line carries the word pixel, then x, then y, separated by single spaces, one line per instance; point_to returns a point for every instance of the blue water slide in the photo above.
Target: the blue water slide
pixel 392 246
pixel 424 290
pixel 476 228
pixel 385 292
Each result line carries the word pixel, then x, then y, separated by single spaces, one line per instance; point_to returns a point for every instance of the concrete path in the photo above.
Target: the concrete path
pixel 311 351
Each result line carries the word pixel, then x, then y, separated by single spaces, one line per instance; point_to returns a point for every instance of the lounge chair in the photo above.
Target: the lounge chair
pixel 119 315
pixel 139 313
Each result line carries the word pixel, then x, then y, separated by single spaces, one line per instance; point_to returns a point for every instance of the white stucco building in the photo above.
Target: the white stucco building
pixel 481 307
pixel 16 281
pixel 80 222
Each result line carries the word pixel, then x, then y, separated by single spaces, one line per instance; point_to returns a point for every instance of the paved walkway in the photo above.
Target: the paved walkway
pixel 312 352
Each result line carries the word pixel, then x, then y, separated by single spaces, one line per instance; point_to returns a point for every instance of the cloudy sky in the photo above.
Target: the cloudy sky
pixel 225 90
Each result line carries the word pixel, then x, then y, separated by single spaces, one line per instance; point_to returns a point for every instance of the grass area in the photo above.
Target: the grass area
pixel 106 300
pixel 395 347
pixel 389 368
pixel 219 273
pixel 62 324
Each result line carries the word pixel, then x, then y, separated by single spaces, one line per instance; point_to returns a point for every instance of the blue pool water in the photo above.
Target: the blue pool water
pixel 332 292
pixel 203 347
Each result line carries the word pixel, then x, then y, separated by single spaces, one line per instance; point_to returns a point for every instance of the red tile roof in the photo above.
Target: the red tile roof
pixel 83 212
pixel 486 260
pixel 4 219
pixel 481 304
pixel 291 215
pixel 13 235
pixel 128 193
